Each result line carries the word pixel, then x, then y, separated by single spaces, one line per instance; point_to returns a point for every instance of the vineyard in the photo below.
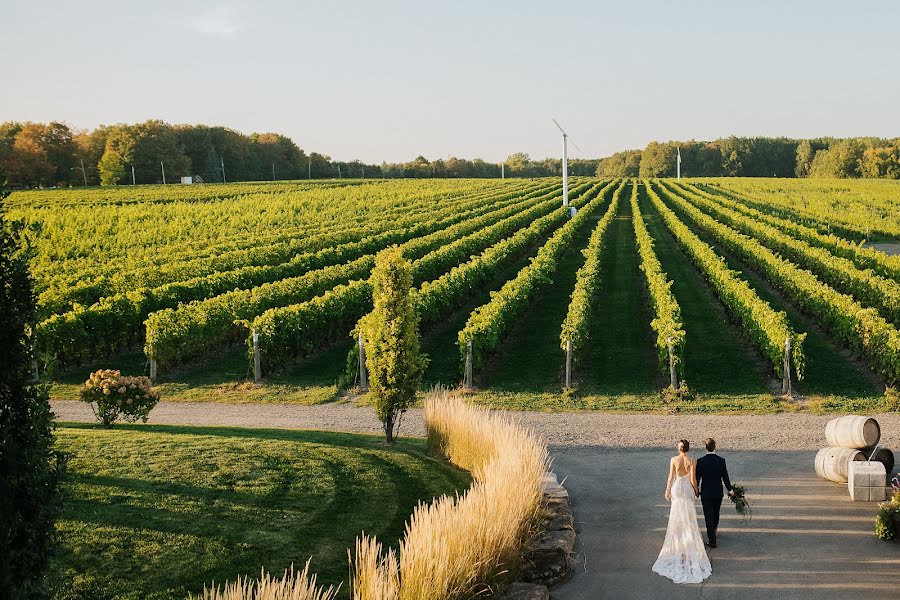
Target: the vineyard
pixel 727 294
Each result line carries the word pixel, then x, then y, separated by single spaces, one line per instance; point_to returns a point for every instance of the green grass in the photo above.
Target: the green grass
pixel 717 358
pixel 227 378
pixel 620 358
pixel 158 511
pixel 830 371
pixel 530 359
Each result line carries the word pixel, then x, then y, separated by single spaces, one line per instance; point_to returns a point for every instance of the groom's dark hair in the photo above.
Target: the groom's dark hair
pixel 710 444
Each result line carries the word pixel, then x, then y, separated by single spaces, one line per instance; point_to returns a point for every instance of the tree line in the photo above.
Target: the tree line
pixel 53 154
pixel 761 157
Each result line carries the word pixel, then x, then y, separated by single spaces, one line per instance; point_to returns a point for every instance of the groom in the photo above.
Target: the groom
pixel 711 474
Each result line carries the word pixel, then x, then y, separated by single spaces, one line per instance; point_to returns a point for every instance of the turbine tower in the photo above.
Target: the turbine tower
pixel 565 164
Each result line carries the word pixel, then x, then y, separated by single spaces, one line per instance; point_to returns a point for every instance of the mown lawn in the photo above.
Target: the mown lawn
pixel 156 512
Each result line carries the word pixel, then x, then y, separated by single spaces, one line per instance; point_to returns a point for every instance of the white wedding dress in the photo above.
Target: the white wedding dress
pixel 683 557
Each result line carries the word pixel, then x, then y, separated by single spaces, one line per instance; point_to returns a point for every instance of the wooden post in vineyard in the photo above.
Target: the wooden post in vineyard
pixel 257 363
pixel 568 363
pixel 363 381
pixel 152 370
pixel 673 377
pixel 786 384
pixel 467 377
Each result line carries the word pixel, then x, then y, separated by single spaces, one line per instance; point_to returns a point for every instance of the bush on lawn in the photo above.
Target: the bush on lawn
pixel 117 397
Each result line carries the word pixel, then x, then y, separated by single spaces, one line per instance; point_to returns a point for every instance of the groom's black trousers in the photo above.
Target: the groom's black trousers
pixel 711 509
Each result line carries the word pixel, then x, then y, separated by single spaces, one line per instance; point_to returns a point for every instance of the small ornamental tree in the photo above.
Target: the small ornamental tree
pixel 30 469
pixel 394 360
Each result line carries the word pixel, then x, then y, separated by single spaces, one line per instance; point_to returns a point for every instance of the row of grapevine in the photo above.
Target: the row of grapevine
pixel 84 244
pixel 863 329
pixel 176 335
pixel 164 194
pixel 489 323
pixel 136 232
pixel 87 291
pixel 576 326
pixel 766 328
pixel 117 320
pixel 857 208
pixel 863 257
pixel 841 273
pixel 438 297
pixel 274 244
pixel 290 332
pixel 667 313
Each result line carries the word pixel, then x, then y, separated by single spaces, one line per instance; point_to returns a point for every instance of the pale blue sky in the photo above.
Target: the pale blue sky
pixel 390 80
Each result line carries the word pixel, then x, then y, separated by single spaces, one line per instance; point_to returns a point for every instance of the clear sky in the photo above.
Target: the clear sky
pixel 388 80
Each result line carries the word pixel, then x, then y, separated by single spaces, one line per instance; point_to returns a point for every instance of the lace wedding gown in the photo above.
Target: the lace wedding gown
pixel 683 557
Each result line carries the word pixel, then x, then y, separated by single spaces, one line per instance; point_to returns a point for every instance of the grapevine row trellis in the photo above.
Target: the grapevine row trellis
pixel 294 303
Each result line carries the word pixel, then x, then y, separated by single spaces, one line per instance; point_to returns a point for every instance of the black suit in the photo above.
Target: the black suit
pixel 711 475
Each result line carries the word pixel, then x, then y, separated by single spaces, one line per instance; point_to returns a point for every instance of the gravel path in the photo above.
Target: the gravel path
pixel 565 432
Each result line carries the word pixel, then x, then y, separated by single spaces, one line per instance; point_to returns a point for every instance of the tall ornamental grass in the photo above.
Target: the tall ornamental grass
pixel 457 547
pixel 293 586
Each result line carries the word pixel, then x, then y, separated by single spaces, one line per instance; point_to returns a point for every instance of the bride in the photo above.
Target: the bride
pixel 682 558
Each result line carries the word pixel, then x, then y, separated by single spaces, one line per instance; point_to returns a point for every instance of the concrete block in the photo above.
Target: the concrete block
pixel 866 481
pixel 866 473
pixel 859 493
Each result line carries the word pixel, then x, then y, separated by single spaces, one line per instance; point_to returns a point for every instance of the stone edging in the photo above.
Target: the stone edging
pixel 548 560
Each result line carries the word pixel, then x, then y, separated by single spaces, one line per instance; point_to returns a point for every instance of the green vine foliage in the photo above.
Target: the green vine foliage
pixel 489 323
pixel 292 225
pixel 667 313
pixel 863 257
pixel 764 326
pixel 290 332
pixel 865 331
pixel 119 319
pixel 193 329
pixel 576 326
pixel 841 273
pixel 394 360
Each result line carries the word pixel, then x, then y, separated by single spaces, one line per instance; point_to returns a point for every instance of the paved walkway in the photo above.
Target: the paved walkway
pixel 806 538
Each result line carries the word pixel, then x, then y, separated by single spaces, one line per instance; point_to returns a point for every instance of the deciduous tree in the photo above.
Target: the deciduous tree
pixel 391 338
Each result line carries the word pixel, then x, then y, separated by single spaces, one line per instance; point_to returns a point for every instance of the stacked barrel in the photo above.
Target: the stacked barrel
pixel 850 438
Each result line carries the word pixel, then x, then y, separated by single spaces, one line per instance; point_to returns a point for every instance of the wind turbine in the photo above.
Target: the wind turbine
pixel 565 161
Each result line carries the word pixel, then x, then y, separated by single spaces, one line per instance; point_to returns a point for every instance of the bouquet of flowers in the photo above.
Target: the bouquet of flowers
pixel 741 504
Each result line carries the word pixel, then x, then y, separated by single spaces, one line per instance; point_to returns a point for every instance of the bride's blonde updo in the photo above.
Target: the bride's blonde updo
pixel 684 445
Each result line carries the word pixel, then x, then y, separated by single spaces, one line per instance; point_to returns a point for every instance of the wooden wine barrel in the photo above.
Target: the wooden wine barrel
pixel 831 463
pixel 852 432
pixel 882 455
